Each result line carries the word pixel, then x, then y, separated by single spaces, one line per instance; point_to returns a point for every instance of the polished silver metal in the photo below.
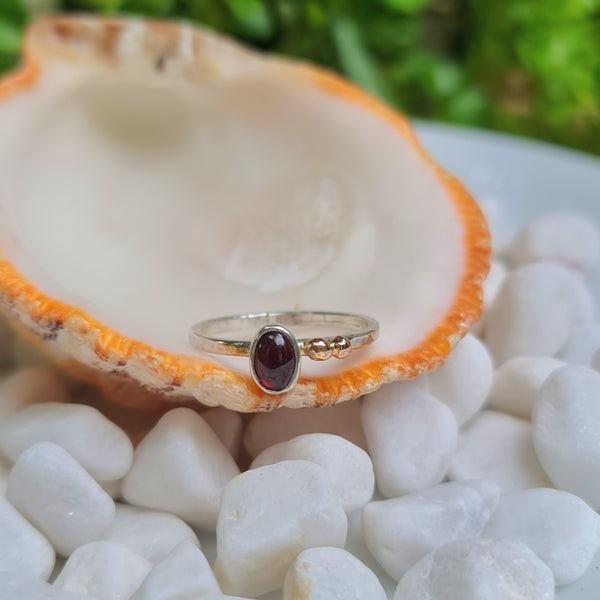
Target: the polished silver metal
pixel 208 336
pixel 352 332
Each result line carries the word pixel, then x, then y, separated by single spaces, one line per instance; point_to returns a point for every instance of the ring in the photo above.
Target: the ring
pixel 275 351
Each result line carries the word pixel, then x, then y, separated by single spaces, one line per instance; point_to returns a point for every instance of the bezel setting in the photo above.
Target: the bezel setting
pixel 291 339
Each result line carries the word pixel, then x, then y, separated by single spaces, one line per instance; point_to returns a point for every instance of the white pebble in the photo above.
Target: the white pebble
pixel 181 467
pixel 148 533
pixel 330 574
pixel 356 544
pixel 562 237
pixel 23 549
pixel 228 426
pixel 53 491
pixel 498 447
pixel 269 515
pixel 103 571
pixel 183 573
pixel 559 527
pixel 411 437
pixel 28 386
pixel 582 343
pixel 535 310
pixel 517 382
pixel 267 429
pixel 99 446
pixel 14 586
pixel 566 431
pixel 135 422
pixel 478 569
pixel 491 286
pixel 347 466
pixel 464 380
pixel 400 531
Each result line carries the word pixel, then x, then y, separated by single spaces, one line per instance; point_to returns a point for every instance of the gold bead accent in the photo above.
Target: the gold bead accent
pixel 318 349
pixel 341 347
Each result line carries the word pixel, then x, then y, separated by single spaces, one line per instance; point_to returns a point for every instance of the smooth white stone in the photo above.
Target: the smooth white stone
pixel 104 571
pixel 411 437
pixel 98 445
pixel 149 534
pixel 23 549
pixel 181 467
pixel 491 286
pixel 517 382
pixel 464 380
pixel 267 429
pixel 498 447
pixel 562 237
pixel 228 426
pixel 53 491
pixel 566 431
pixel 400 531
pixel 535 310
pixel 29 386
pixel 134 422
pixel 582 343
pixel 330 574
pixel 559 527
pixel 14 586
pixel 183 573
pixel 268 516
pixel 347 466
pixel 478 569
pixel 356 545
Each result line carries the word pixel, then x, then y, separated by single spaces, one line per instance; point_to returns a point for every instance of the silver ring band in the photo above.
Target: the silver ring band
pixel 274 342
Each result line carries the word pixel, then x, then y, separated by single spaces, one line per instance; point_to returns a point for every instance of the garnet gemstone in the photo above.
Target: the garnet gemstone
pixel 274 360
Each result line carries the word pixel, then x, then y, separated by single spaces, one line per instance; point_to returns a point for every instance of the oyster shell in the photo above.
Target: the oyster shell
pixel 154 175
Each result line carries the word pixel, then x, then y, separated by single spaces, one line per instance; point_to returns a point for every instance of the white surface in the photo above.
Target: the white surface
pixel 525 179
pixel 348 467
pixel 297 504
pixel 517 180
pixel 180 467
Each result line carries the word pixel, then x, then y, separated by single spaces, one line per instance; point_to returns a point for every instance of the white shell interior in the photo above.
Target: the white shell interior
pixel 155 206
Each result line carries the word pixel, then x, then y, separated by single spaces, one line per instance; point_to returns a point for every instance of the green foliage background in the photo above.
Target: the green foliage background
pixel 526 66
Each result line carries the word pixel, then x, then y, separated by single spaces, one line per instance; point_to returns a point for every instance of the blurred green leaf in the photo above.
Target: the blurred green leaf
pixel 146 7
pixel 467 107
pixel 390 36
pixel 10 39
pixel 405 6
pixel 14 12
pixel 355 58
pixel 107 6
pixel 252 17
pixel 442 79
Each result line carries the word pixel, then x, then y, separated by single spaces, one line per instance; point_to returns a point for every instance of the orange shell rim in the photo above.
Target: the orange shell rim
pixel 171 369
